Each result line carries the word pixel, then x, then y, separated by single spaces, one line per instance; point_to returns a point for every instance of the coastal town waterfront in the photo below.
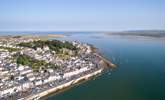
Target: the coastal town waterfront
pixel 31 68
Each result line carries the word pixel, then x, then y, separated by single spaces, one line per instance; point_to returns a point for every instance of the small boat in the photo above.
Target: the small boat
pixel 36 97
pixel 109 73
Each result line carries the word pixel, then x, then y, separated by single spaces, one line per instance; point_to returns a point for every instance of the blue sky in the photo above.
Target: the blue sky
pixel 81 15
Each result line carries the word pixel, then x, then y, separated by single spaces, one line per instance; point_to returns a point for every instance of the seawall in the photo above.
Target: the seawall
pixel 60 87
pixel 104 62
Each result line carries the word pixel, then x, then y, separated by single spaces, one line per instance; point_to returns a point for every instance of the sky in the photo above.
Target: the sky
pixel 81 15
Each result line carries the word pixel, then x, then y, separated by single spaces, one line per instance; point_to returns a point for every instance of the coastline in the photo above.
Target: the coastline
pixel 103 62
pixel 35 36
pixel 63 86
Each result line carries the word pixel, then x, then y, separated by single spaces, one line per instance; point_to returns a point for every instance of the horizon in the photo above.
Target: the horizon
pixel 83 15
pixel 84 49
pixel 97 31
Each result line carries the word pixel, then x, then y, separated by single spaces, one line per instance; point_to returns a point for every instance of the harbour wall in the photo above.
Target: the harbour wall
pixel 60 87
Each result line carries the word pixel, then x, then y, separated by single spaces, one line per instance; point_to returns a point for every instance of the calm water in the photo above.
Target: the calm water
pixel 140 74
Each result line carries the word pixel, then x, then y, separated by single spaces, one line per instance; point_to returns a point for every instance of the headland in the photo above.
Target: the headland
pixel 33 67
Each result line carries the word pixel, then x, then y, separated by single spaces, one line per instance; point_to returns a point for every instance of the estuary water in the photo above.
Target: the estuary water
pixel 140 74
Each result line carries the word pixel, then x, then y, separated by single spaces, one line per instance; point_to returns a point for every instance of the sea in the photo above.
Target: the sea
pixel 140 72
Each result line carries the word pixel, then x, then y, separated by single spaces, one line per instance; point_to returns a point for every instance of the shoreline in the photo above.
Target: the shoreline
pixel 35 36
pixel 104 62
pixel 63 86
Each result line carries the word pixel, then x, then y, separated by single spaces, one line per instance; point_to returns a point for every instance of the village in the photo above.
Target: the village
pixel 31 66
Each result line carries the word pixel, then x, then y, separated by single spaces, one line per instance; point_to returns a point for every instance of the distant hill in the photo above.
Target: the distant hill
pixel 149 33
